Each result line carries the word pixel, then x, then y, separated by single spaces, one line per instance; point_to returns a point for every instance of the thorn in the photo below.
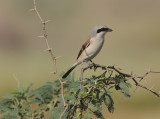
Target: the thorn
pixel 106 67
pixel 18 82
pixel 148 70
pixel 146 81
pixel 45 35
pixel 95 82
pixel 41 36
pixel 152 87
pixel 49 49
pixel 133 75
pixel 53 72
pixel 58 57
pixel 135 89
pixel 47 21
pixel 30 10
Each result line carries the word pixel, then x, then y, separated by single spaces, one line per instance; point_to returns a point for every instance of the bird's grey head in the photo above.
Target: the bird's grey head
pixel 99 31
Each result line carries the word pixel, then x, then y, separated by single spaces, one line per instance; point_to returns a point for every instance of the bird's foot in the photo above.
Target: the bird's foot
pixel 93 65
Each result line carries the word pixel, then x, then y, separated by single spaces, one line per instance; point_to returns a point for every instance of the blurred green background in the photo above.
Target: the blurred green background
pixel 134 44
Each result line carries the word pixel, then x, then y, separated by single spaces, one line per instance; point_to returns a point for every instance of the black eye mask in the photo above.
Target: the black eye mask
pixel 102 29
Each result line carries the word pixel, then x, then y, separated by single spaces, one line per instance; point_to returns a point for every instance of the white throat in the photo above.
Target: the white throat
pixel 100 35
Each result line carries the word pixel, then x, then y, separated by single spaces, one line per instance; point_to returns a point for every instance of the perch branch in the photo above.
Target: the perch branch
pixel 131 76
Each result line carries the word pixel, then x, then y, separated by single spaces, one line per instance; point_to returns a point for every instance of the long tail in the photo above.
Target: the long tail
pixel 70 70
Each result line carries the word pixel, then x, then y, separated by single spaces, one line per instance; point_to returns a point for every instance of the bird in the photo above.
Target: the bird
pixel 91 47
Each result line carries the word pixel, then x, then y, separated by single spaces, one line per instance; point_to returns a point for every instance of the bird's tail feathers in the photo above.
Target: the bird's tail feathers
pixel 70 70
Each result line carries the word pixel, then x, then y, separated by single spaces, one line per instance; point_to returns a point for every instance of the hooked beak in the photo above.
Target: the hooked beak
pixel 109 30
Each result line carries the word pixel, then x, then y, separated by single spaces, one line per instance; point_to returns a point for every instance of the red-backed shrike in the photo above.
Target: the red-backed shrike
pixel 91 47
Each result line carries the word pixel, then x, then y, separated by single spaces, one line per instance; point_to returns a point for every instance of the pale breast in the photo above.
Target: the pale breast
pixel 94 48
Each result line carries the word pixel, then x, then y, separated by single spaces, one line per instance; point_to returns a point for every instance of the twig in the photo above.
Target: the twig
pixel 54 59
pixel 18 83
pixel 63 111
pixel 144 87
pixel 147 73
pixel 130 76
pixel 81 80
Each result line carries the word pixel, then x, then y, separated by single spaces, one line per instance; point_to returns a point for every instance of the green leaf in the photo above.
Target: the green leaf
pixel 22 89
pixel 87 117
pixel 92 107
pixel 128 85
pixel 83 94
pixel 23 86
pixel 8 96
pixel 57 111
pixel 124 89
pixel 94 95
pixel 8 116
pixel 73 86
pixel 102 75
pixel 33 102
pixel 100 95
pixel 95 110
pixel 78 114
pixel 19 90
pixel 109 103
pixel 119 69
pixel 71 99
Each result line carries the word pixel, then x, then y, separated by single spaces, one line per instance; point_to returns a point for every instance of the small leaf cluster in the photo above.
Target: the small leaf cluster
pixel 46 101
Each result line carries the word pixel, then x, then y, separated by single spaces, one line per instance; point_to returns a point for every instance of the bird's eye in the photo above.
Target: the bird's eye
pixel 98 31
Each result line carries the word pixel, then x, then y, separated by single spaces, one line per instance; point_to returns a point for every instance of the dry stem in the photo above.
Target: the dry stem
pixel 54 59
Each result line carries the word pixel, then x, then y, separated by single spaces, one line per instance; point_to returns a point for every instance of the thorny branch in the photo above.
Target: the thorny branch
pixel 130 76
pixel 54 59
pixel 148 72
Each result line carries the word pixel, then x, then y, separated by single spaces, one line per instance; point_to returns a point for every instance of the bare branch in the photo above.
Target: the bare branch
pixel 146 74
pixel 144 87
pixel 54 59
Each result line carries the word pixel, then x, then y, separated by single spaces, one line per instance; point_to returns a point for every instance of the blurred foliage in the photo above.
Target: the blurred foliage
pixel 46 101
